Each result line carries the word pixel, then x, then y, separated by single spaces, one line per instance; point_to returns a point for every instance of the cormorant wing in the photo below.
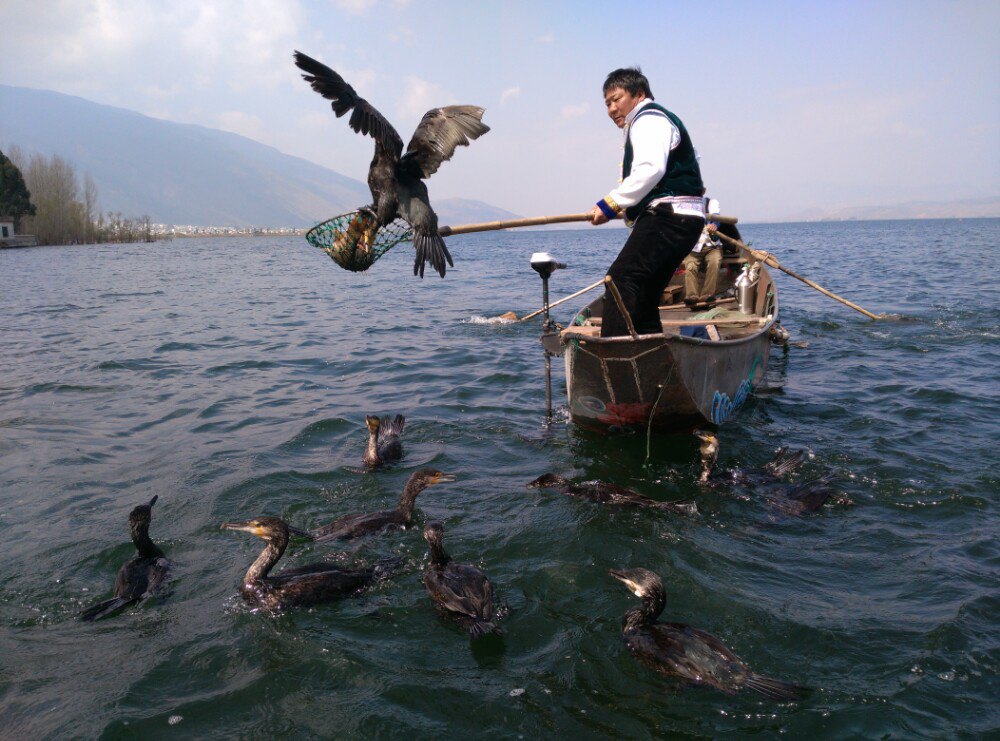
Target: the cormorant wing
pixel 440 131
pixel 692 653
pixel 463 589
pixel 365 119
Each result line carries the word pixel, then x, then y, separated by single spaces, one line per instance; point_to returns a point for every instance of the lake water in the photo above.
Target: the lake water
pixel 231 379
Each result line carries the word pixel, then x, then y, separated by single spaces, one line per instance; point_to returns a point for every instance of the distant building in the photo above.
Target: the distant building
pixel 9 239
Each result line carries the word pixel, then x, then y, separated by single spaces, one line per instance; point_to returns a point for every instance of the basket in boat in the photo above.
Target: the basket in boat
pixel 352 241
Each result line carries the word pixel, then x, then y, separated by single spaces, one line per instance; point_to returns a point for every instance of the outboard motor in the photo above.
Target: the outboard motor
pixel 544 264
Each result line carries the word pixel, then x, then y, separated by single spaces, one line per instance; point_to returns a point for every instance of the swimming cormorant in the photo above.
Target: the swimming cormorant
pixel 354 526
pixel 709 451
pixel 140 577
pixel 460 590
pixel 303 585
pixel 396 180
pixel 605 493
pixel 384 444
pixel 787 498
pixel 683 652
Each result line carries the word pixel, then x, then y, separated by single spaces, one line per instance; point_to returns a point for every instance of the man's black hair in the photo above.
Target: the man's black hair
pixel 629 79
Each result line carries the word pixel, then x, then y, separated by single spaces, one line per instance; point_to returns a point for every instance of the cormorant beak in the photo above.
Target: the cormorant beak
pixel 444 477
pixel 153 500
pixel 623 577
pixel 246 527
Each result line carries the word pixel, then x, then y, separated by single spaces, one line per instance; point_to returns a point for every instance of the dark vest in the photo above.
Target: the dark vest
pixel 682 178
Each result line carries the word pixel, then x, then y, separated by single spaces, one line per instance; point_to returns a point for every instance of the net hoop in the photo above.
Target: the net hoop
pixel 345 239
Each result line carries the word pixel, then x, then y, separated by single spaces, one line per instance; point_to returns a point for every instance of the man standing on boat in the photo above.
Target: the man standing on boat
pixel 660 197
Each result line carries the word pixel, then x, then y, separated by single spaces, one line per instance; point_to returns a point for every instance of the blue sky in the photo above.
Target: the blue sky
pixel 792 106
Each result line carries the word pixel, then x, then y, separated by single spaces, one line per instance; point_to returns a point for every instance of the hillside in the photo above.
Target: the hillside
pixel 187 174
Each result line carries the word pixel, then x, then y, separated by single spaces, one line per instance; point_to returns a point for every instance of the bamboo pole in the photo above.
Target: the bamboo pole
pixel 621 305
pixel 769 259
pixel 582 291
pixel 491 226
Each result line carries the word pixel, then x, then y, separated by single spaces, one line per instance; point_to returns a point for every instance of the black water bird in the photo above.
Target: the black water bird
pixel 295 587
pixel 460 591
pixel 683 652
pixel 355 526
pixel 709 452
pixel 394 178
pixel 767 482
pixel 142 576
pixel 605 493
pixel 384 440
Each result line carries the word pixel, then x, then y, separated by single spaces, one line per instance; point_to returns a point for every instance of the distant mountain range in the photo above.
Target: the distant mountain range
pixel 188 174
pixel 964 209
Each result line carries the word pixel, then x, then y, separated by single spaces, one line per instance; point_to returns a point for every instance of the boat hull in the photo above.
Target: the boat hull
pixel 669 382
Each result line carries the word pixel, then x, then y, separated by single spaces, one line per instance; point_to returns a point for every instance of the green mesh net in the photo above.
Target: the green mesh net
pixel 353 242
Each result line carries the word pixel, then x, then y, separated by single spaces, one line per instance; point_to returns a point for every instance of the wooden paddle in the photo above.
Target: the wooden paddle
pixel 768 259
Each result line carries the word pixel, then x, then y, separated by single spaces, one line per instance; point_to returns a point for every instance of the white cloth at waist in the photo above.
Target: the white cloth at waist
pixel 683 205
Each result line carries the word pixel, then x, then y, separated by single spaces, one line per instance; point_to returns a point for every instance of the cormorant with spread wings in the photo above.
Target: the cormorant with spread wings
pixel 396 179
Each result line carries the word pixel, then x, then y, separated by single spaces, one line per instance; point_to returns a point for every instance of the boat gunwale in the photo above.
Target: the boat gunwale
pixel 568 335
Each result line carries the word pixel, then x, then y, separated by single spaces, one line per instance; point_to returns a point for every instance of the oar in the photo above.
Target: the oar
pixel 513 317
pixel 769 259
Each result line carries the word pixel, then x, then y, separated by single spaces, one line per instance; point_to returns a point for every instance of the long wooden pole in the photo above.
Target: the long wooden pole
pixel 492 226
pixel 769 259
pixel 582 291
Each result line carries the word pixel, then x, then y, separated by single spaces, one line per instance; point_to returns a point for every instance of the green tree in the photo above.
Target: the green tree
pixel 15 199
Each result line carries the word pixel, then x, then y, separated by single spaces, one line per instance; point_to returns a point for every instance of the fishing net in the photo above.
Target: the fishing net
pixel 353 242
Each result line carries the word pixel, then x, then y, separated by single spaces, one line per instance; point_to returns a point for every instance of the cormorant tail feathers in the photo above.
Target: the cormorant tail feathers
pixel 775 689
pixel 430 248
pixel 103 609
pixel 479 628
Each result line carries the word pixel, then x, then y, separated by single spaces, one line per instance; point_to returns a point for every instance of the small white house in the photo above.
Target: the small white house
pixel 6 227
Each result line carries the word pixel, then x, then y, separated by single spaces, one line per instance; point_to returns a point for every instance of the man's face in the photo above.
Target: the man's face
pixel 620 103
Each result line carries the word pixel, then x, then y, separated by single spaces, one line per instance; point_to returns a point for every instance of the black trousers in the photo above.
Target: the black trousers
pixel 659 242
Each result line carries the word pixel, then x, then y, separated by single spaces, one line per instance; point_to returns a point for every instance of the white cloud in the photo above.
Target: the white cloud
pixel 575 111
pixel 354 7
pixel 420 97
pixel 547 38
pixel 511 92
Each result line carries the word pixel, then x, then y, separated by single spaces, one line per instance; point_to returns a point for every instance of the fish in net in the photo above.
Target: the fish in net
pixel 354 241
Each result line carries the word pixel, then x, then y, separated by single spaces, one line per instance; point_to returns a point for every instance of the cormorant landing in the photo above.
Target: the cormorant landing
pixel 396 180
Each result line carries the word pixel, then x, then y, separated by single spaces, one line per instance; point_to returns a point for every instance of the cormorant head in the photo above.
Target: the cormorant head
pixel 548 481
pixel 641 582
pixel 271 529
pixel 428 477
pixel 142 514
pixel 372 422
pixel 434 532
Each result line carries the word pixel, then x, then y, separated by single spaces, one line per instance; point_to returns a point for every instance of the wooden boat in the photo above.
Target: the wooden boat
pixel 679 380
